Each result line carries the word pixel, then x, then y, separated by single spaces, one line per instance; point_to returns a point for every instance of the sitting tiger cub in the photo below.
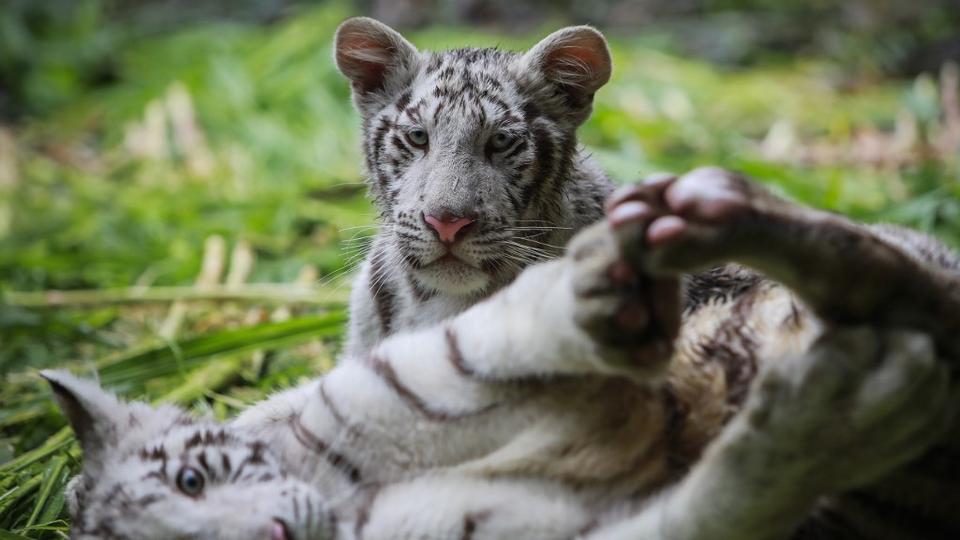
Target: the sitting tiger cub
pixel 603 396
pixel 473 167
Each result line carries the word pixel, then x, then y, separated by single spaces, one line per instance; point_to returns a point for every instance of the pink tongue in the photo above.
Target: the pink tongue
pixel 278 532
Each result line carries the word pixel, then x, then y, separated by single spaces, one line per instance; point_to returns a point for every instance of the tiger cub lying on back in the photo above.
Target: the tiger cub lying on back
pixel 590 398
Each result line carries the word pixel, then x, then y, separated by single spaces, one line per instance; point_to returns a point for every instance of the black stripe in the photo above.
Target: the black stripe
pixel 419 293
pixel 382 367
pixel 447 72
pixel 202 460
pixel 733 347
pixel 382 292
pixel 403 100
pixel 207 438
pixel 413 111
pixel 545 161
pixel 351 428
pixel 553 190
pixel 435 62
pixel 676 413
pixel 373 160
pixel 517 149
pixel 363 514
pixel 255 458
pixel 496 101
pixel 337 460
pixel 147 500
pixel 331 406
pixel 515 201
pixel 722 283
pixel 386 372
pixel 455 356
pixel 530 112
pixel 400 145
pixel 470 524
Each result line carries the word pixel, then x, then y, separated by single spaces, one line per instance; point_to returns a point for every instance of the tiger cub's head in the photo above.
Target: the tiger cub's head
pixel 158 473
pixel 470 151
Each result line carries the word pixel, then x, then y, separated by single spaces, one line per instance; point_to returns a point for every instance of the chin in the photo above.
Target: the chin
pixel 454 278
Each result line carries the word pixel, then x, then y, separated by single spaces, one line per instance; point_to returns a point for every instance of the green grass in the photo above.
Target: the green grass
pixel 200 211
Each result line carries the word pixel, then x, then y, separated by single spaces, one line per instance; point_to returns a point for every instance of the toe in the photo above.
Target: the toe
pixel 707 194
pixel 630 212
pixel 650 190
pixel 665 229
pixel 629 192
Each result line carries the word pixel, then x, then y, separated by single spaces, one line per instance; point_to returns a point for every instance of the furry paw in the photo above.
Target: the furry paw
pixel 632 317
pixel 691 221
pixel 631 314
pixel 704 196
pixel 860 402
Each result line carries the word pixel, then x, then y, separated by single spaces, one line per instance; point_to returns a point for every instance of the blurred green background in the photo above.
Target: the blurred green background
pixel 181 198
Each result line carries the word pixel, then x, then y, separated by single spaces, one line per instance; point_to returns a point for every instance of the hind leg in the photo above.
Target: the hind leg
pixel 844 271
pixel 859 403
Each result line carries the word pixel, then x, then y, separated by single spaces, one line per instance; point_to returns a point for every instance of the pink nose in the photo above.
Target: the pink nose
pixel 447 226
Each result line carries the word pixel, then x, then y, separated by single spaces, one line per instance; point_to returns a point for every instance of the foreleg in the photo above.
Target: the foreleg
pixel 461 389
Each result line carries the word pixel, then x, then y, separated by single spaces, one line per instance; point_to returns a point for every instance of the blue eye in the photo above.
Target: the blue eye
pixel 417 136
pixel 501 140
pixel 190 481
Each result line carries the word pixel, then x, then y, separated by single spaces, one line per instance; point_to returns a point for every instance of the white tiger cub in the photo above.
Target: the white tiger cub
pixel 571 403
pixel 473 166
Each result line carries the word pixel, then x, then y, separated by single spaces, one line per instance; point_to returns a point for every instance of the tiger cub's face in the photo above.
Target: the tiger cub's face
pixel 468 150
pixel 159 474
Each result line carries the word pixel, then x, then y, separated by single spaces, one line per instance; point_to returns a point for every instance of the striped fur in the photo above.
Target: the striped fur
pixel 517 419
pixel 528 197
pixel 135 461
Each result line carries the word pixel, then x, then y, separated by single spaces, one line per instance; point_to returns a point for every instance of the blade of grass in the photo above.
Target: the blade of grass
pixel 266 293
pixel 138 366
pixel 213 376
pixel 56 442
pixel 19 493
pixel 52 484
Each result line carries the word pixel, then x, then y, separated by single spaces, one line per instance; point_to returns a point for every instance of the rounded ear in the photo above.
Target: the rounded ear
pixel 575 58
pixel 370 53
pixel 93 413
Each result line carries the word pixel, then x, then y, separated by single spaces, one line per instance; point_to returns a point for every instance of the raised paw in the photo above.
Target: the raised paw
pixel 632 317
pixel 859 403
pixel 707 195
pixel 691 221
pixel 844 272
